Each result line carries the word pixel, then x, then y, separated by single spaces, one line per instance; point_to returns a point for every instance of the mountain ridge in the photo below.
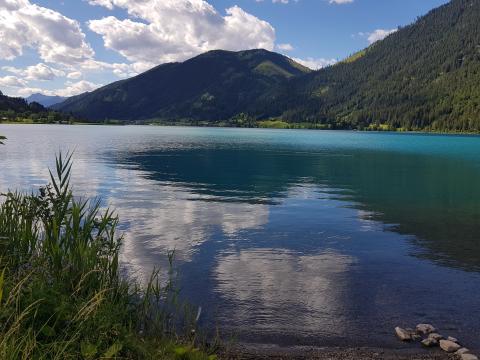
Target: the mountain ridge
pixel 215 85
pixel 45 100
pixel 424 76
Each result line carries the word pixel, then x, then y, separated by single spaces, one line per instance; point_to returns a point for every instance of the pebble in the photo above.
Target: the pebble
pixel 451 338
pixel 435 336
pixel 429 342
pixel 425 328
pixel 449 346
pixel 403 334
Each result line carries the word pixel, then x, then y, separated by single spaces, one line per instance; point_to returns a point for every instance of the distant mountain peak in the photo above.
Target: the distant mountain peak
pixel 45 100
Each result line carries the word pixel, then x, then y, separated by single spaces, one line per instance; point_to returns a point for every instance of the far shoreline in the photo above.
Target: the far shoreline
pixel 184 125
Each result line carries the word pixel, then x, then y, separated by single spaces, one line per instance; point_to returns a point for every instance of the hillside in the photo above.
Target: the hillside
pixel 425 76
pixel 213 86
pixel 45 100
pixel 19 110
pixel 17 105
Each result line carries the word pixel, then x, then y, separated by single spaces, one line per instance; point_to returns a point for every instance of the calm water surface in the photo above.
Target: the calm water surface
pixel 286 237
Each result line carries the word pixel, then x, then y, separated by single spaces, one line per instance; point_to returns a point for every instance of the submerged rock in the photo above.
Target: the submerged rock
pixel 429 342
pixel 449 346
pixel 403 334
pixel 425 328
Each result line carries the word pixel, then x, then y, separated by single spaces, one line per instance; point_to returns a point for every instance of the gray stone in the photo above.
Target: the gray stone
pixel 435 336
pixel 451 338
pixel 429 342
pixel 462 351
pixel 449 346
pixel 468 357
pixel 425 329
pixel 403 334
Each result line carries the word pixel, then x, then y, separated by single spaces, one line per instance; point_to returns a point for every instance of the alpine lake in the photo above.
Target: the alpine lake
pixel 285 237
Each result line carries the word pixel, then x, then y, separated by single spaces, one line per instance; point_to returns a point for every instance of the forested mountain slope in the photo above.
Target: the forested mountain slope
pixel 425 76
pixel 213 86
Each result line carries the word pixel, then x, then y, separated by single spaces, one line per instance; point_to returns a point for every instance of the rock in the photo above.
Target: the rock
pixel 403 334
pixel 468 357
pixel 462 351
pixel 435 336
pixel 425 329
pixel 450 338
pixel 449 346
pixel 429 342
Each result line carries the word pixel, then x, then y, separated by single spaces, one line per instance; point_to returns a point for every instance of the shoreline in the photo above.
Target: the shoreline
pixel 182 125
pixel 260 352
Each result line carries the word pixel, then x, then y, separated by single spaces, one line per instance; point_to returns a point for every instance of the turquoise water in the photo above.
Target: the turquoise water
pixel 286 237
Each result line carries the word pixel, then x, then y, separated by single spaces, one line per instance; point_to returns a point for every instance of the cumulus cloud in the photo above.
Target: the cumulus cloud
pixel 11 81
pixel 285 47
pixel 71 89
pixel 316 64
pixel 57 38
pixel 174 30
pixel 379 34
pixel 36 72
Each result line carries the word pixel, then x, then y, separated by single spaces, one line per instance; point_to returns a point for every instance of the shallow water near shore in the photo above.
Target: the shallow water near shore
pixel 286 237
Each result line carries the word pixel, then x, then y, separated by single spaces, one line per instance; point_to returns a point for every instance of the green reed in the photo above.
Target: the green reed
pixel 61 293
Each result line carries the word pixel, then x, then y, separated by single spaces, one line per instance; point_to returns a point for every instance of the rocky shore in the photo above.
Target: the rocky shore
pixel 430 338
pixel 427 344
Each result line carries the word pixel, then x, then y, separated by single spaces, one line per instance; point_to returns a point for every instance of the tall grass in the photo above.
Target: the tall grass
pixel 61 294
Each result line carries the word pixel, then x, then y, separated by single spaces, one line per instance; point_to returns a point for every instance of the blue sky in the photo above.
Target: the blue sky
pixel 71 46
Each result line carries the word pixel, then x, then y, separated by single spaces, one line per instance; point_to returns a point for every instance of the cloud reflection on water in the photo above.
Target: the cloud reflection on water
pixel 268 286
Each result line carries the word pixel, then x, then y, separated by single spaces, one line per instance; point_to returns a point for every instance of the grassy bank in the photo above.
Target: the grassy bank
pixel 61 293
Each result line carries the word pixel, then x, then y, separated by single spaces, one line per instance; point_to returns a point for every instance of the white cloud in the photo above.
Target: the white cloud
pixel 77 88
pixel 285 47
pixel 379 34
pixel 105 3
pixel 316 64
pixel 36 72
pixel 56 38
pixel 340 2
pixel 74 75
pixel 11 81
pixel 71 89
pixel 174 30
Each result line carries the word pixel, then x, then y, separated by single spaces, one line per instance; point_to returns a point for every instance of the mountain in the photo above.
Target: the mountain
pixel 19 110
pixel 213 86
pixel 17 105
pixel 45 100
pixel 426 76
